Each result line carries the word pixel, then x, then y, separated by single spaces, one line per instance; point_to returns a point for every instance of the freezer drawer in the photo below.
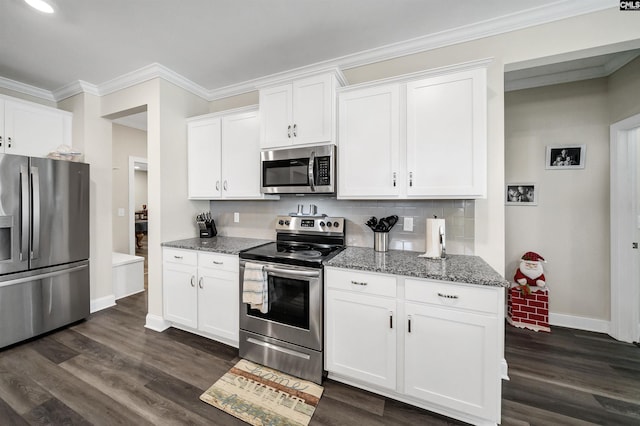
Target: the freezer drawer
pixel 32 304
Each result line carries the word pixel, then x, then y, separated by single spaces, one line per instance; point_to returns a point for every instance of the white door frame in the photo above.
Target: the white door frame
pixel 132 201
pixel 625 274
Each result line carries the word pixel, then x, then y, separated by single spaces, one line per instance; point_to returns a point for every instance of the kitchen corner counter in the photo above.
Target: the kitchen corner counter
pixel 455 268
pixel 224 245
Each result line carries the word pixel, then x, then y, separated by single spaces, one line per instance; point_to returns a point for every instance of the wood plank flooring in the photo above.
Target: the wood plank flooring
pixel 110 370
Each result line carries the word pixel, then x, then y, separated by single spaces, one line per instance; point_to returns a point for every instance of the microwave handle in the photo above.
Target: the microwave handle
pixel 312 160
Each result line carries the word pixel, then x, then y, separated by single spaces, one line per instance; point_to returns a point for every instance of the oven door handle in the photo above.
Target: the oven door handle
pixel 291 272
pixel 312 181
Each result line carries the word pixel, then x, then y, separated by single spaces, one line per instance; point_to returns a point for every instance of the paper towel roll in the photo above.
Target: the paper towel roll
pixel 435 227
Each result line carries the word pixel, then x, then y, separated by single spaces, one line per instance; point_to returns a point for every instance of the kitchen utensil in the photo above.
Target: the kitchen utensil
pixel 381 241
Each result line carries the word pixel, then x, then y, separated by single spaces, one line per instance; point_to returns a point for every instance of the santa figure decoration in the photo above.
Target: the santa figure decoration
pixel 530 272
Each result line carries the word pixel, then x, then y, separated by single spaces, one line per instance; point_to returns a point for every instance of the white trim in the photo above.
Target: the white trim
pixel 102 303
pixel 26 89
pixel 156 323
pixel 535 16
pixel 625 274
pixel 132 201
pixel 504 370
pixel 579 323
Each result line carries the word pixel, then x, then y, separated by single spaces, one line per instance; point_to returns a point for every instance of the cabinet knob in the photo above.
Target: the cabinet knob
pixel 295 130
pixel 9 142
pixel 289 131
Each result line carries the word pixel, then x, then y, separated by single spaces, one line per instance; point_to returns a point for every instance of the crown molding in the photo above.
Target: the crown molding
pixel 26 89
pixel 585 73
pixel 562 9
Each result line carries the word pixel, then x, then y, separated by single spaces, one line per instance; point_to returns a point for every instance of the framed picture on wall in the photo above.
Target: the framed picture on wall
pixel 521 194
pixel 565 157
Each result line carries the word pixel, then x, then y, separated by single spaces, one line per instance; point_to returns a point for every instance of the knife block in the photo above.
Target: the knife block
pixel 209 230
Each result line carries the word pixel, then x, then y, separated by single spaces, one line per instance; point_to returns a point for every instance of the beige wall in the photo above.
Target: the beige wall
pixel 127 142
pixel 570 225
pixel 140 187
pixel 624 92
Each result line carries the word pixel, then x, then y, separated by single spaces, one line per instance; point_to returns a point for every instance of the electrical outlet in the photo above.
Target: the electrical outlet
pixel 236 217
pixel 121 211
pixel 407 224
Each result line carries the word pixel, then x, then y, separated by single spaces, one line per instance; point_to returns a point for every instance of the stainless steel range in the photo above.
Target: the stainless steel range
pixel 287 333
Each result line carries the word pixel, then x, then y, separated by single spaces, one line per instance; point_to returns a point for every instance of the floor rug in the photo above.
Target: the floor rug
pixel 261 396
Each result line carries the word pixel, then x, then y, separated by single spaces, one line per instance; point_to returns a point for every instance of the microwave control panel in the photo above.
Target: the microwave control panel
pixel 323 171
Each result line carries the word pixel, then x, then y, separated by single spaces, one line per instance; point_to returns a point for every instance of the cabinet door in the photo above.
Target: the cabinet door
pixel 34 130
pixel 313 109
pixel 241 153
pixel 204 151
pixel 369 143
pixel 180 294
pixel 452 359
pixel 276 116
pixel 361 337
pixel 446 136
pixel 218 299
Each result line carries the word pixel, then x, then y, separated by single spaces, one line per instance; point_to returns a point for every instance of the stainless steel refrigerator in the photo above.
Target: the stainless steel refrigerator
pixel 44 245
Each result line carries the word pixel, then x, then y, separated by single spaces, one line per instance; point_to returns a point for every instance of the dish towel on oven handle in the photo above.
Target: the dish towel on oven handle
pixel 255 287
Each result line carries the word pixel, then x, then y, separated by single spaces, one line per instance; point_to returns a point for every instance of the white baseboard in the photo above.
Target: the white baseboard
pixel 504 369
pixel 102 303
pixel 156 323
pixel 579 323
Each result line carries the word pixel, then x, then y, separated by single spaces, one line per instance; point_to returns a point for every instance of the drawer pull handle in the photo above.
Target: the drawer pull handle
pixel 178 257
pixel 390 319
pixel 448 296
pixel 215 262
pixel 358 283
pixel 409 323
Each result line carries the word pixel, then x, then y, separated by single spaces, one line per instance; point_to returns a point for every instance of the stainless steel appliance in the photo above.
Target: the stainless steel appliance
pixel 289 336
pixel 44 245
pixel 306 170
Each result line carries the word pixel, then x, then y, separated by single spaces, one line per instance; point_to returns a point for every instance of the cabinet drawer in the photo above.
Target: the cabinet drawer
pixel 452 295
pixel 185 257
pixel 223 262
pixel 364 282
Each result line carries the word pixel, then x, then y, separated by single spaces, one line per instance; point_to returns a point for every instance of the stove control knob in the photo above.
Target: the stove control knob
pixel 329 224
pixel 336 224
pixel 281 222
pixel 321 224
pixel 287 222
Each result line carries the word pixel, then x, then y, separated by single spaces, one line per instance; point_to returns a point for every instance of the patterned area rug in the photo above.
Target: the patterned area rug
pixel 261 396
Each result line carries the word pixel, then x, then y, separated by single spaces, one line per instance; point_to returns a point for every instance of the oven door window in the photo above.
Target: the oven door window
pixel 288 302
pixel 293 172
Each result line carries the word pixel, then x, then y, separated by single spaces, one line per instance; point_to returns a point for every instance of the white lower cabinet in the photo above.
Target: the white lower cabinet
pixel 201 293
pixel 433 344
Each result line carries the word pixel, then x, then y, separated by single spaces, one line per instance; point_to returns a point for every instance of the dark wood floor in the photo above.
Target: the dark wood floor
pixel 110 370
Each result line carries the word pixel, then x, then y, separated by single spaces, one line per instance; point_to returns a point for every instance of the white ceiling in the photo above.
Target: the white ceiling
pixel 221 43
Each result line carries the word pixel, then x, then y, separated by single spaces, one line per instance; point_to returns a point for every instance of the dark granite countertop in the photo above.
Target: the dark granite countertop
pixel 455 268
pixel 225 245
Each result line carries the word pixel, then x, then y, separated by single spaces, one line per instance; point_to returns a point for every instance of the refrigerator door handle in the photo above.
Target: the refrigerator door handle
pixel 24 212
pixel 35 234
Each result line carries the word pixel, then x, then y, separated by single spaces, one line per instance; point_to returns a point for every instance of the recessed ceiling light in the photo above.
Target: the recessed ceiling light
pixel 40 5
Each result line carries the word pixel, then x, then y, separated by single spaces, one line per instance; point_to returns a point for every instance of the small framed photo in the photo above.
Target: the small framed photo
pixel 565 157
pixel 521 194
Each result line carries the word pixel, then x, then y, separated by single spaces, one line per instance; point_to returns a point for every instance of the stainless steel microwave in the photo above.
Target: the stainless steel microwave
pixel 304 170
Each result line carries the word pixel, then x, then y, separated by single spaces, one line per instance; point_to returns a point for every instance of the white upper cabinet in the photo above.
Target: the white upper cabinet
pixel 447 135
pixel 204 158
pixel 301 112
pixel 31 129
pixel 423 138
pixel 369 142
pixel 224 156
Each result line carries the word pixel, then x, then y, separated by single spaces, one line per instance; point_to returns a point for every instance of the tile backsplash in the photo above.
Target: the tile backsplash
pixel 257 219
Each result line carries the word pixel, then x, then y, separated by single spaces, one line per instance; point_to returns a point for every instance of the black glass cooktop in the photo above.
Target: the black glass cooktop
pixel 294 253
